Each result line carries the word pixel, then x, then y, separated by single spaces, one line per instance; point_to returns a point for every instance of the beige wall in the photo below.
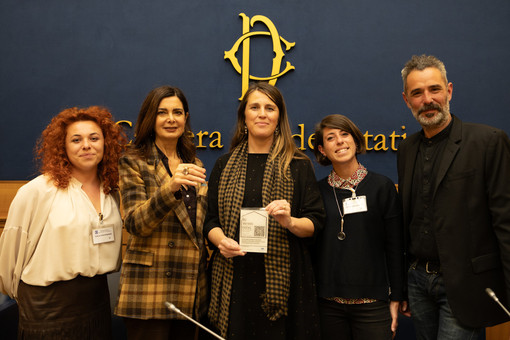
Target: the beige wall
pixel 8 190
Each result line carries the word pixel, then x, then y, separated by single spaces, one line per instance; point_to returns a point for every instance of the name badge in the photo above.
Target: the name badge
pixel 253 230
pixel 103 235
pixel 355 205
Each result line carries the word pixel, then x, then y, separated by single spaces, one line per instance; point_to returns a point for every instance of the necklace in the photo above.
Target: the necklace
pixel 341 234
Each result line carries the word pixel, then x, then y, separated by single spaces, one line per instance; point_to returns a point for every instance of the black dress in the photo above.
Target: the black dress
pixel 247 320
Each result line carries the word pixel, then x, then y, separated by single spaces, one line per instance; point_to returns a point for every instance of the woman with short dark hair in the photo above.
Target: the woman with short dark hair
pixel 359 256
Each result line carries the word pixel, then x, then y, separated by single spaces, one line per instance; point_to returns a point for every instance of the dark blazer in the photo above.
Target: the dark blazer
pixel 165 258
pixel 471 204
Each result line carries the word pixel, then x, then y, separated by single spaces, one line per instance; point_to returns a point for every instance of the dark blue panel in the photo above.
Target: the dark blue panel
pixel 348 56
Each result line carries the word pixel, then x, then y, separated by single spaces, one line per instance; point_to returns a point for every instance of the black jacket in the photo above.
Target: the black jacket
pixel 471 204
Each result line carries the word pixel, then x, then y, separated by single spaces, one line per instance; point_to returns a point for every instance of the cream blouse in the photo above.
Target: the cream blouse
pixel 49 236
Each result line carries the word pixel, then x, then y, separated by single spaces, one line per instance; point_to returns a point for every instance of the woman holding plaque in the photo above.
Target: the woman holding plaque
pixel 267 294
pixel 359 254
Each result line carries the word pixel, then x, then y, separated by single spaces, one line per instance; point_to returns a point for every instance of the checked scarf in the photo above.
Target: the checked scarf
pixel 277 259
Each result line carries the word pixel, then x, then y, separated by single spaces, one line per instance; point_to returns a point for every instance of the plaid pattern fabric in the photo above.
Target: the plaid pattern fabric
pixel 165 258
pixel 277 260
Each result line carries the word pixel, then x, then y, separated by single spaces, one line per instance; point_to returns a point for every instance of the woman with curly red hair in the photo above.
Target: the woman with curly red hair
pixel 63 230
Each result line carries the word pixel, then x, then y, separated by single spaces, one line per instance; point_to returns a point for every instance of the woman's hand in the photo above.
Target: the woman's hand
pixel 187 174
pixel 280 210
pixel 230 248
pixel 227 246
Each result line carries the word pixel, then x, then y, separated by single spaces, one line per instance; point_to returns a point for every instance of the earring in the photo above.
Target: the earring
pixel 245 129
pixel 277 131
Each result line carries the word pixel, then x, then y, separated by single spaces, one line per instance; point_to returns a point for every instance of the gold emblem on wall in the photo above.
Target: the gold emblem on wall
pixel 277 40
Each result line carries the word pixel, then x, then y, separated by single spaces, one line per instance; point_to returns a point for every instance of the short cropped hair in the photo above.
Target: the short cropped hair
pixel 420 63
pixel 340 122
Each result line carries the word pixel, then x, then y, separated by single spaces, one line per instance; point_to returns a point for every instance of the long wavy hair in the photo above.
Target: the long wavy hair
pixel 283 142
pixel 51 153
pixel 144 130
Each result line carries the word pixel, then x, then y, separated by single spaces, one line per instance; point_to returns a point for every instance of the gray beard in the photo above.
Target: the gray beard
pixel 438 120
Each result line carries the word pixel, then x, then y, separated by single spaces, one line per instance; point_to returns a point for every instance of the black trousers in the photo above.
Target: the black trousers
pixel 357 322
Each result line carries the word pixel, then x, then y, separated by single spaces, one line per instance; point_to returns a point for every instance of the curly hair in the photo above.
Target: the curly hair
pixel 51 148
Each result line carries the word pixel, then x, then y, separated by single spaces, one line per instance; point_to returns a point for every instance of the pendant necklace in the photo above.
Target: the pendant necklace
pixel 341 234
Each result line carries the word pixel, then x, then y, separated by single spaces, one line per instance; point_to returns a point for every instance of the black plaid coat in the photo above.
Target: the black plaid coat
pixel 165 258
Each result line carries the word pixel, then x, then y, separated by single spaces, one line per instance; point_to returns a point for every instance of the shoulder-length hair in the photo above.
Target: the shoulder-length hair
pixel 144 130
pixel 283 143
pixel 336 122
pixel 51 146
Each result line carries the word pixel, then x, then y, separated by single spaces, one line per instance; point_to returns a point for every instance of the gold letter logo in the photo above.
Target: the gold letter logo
pixel 245 40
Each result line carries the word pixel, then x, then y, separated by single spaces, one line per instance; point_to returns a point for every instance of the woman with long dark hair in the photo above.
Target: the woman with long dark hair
pixel 164 201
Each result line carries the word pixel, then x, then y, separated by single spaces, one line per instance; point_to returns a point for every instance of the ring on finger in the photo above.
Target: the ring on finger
pixel 185 171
